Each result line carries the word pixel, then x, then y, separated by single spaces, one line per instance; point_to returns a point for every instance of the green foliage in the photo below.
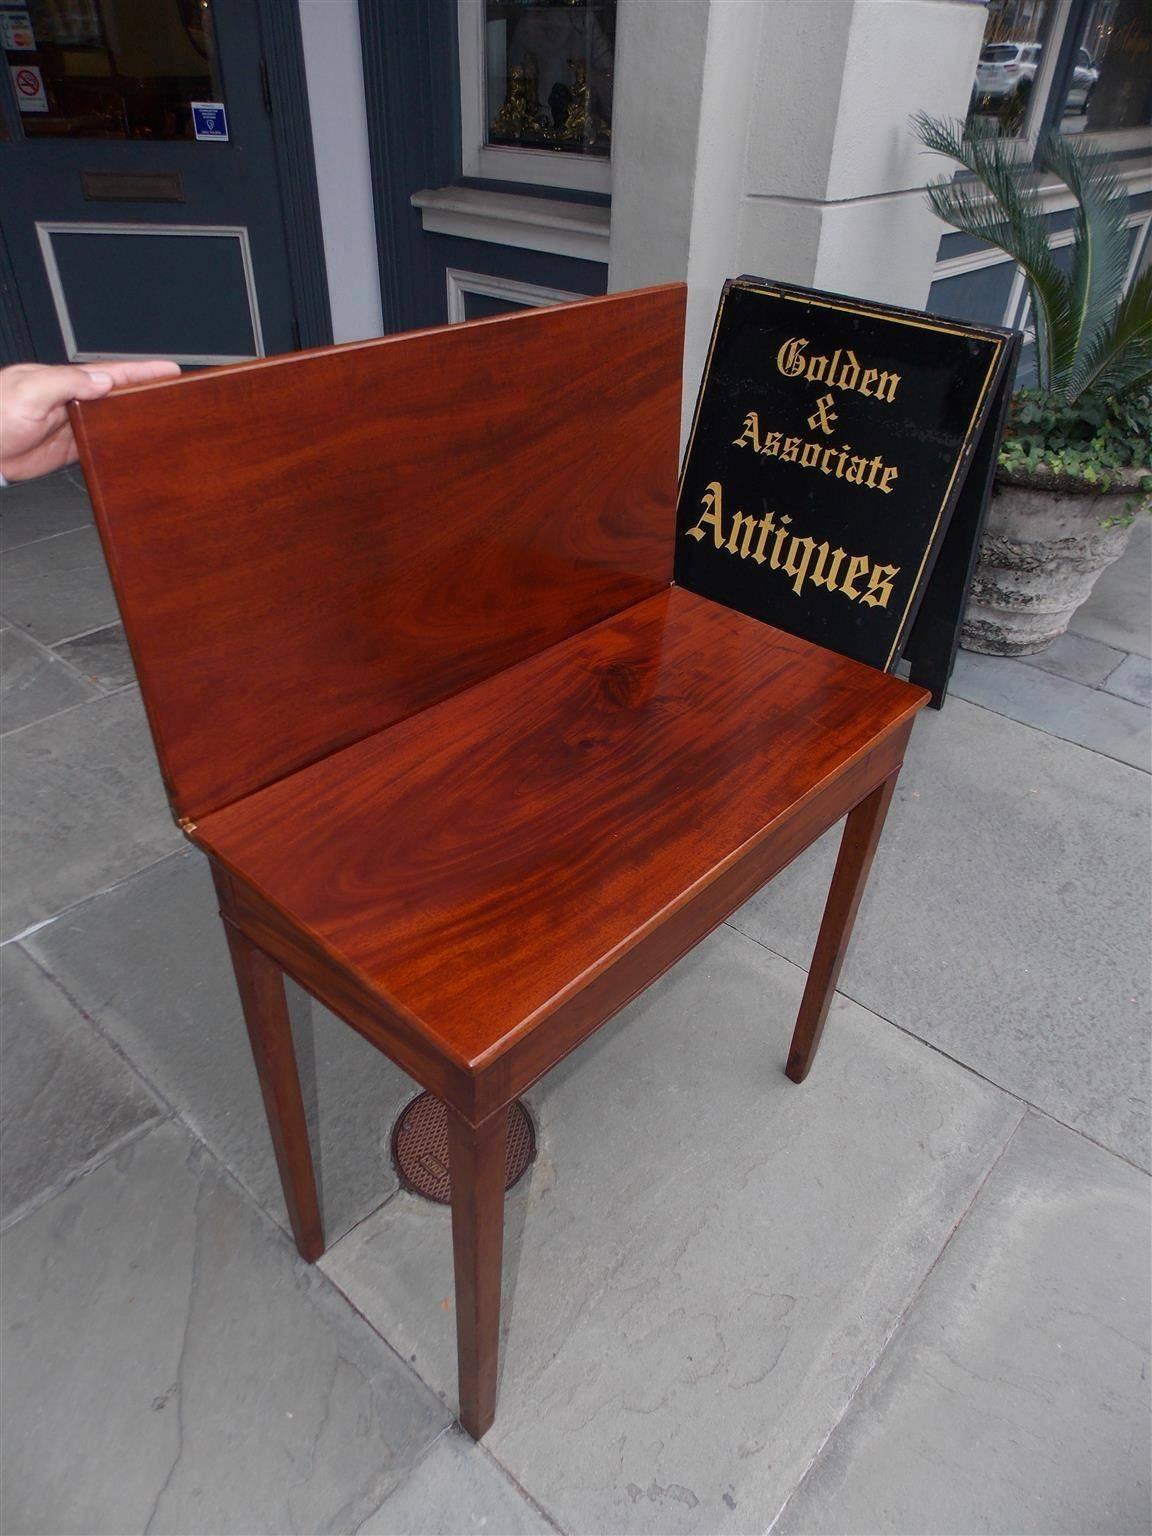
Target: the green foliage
pixel 1118 361
pixel 1090 335
pixel 1099 442
pixel 1090 416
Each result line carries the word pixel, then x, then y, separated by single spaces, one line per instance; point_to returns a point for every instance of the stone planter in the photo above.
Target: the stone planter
pixel 1042 551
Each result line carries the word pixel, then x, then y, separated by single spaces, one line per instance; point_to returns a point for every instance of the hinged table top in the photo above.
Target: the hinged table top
pixel 478 863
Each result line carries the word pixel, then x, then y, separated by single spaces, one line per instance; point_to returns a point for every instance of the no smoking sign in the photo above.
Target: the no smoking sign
pixel 29 84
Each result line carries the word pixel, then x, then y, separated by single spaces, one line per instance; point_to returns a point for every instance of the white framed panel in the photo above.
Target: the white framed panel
pixel 971 261
pixel 1016 307
pixel 1019 308
pixel 46 230
pixel 539 167
pixel 530 295
pixel 1140 223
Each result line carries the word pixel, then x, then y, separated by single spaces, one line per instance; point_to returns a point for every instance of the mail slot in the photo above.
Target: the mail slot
pixel 133 186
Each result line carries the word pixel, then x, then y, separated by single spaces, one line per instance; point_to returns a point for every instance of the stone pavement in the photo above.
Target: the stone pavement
pixel 910 1296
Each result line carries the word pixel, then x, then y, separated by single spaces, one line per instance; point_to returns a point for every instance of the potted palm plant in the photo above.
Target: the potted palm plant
pixel 1074 464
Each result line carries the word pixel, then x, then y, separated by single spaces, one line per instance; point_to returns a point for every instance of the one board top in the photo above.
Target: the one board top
pixel 829 445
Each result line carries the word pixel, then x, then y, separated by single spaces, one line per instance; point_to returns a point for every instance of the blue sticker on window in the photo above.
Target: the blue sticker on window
pixel 210 120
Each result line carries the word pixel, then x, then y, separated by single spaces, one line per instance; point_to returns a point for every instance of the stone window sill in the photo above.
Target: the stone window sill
pixel 505 218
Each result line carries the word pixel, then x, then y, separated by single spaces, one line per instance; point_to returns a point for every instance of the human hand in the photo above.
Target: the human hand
pixel 35 433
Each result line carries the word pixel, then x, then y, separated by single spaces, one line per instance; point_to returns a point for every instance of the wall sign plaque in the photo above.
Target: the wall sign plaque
pixel 839 468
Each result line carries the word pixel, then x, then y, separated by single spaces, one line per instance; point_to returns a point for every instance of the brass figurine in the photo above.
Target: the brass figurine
pixel 521 116
pixel 581 126
pixel 574 124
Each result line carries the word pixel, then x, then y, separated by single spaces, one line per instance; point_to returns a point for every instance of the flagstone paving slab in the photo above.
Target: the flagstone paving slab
pixel 1093 718
pixel 1015 1397
pixel 65 1096
pixel 149 963
pixel 59 587
pixel 39 509
pixel 34 683
pixel 102 656
pixel 1077 658
pixel 705 1259
pixel 171 1366
pixel 1132 679
pixel 1006 919
pixel 457 1490
pixel 84 807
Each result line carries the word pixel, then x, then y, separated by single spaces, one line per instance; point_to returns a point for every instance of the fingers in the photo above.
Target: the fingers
pixel 35 435
pixel 134 372
pixel 37 391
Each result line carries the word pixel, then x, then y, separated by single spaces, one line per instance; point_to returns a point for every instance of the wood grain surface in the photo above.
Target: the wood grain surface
pixel 464 763
pixel 480 863
pixel 857 850
pixel 308 548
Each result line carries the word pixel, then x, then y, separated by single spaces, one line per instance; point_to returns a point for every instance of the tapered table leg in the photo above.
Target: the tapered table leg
pixel 261 985
pixel 857 847
pixel 476 1156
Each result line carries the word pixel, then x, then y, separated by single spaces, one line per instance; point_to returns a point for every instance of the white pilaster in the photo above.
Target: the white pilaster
pixel 331 37
pixel 772 137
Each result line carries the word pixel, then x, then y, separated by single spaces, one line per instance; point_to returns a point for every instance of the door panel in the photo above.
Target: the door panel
pixel 126 234
pixel 116 280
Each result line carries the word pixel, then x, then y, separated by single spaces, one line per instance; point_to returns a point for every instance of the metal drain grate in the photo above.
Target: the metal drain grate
pixel 420 1147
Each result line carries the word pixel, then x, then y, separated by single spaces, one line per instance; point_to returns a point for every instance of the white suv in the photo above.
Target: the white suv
pixel 1003 69
pixel 1007 70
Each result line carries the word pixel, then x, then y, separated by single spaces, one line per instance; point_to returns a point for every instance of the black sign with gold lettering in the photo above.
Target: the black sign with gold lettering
pixel 838 447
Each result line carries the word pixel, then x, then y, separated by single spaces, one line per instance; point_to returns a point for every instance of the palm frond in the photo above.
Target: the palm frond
pixel 1100 244
pixel 1119 358
pixel 1002 207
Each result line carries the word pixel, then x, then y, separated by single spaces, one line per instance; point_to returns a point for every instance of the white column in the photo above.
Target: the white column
pixel 661 49
pixel 331 36
pixel 835 185
pixel 772 137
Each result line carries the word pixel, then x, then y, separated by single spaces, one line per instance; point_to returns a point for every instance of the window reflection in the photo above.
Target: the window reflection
pixel 1111 85
pixel 549 74
pixel 1014 36
pixel 110 69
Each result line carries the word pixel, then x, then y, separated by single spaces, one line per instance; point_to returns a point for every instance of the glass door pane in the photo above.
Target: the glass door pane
pixel 110 69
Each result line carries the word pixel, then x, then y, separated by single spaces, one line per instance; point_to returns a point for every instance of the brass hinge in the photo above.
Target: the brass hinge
pixel 186 824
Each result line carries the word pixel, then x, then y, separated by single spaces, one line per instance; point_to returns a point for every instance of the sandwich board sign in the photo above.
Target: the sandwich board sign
pixel 839 467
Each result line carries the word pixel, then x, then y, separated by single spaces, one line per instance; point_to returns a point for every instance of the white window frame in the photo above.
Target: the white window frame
pixel 1017 310
pixel 1020 300
pixel 530 295
pixel 499 162
pixel 1046 74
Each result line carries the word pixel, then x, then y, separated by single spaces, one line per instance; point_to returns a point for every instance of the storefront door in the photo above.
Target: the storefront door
pixel 139 202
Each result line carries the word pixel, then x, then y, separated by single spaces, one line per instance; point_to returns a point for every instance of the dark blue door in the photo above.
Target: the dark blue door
pixel 139 202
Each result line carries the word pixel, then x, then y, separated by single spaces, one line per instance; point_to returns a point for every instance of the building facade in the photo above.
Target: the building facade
pixel 218 179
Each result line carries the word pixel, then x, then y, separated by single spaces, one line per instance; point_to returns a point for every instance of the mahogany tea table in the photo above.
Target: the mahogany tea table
pixel 464 762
